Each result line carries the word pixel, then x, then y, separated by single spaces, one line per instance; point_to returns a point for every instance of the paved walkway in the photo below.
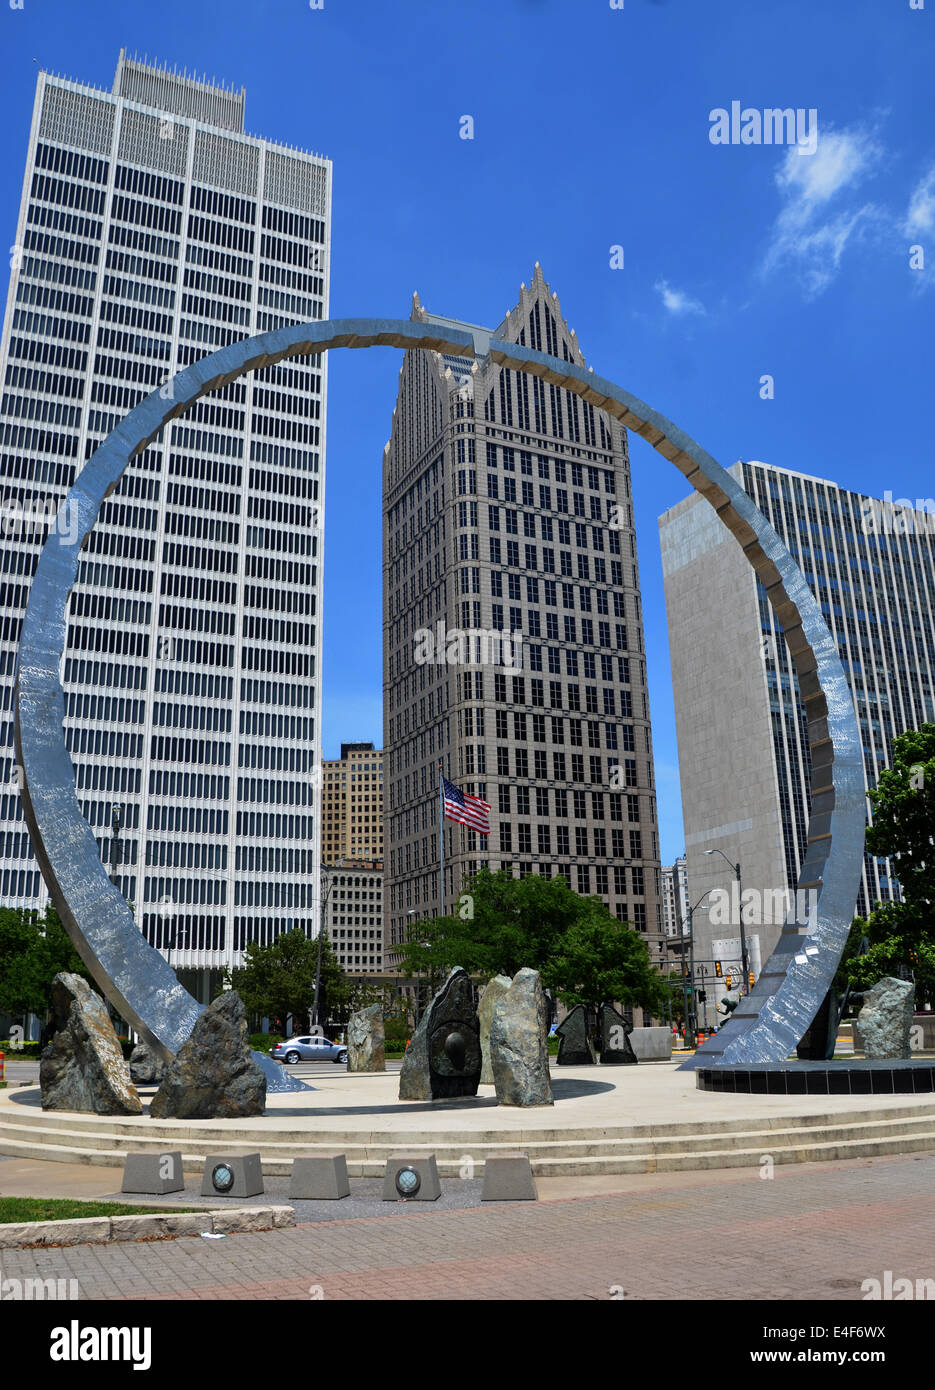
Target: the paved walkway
pixel 813 1231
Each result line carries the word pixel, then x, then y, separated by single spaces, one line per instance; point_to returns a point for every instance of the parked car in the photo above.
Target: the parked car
pixel 309 1049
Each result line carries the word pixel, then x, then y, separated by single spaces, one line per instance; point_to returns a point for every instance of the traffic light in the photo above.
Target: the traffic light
pixel 750 978
pixel 717 968
pixel 727 981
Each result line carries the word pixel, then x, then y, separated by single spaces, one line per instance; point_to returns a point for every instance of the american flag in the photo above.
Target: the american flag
pixel 467 810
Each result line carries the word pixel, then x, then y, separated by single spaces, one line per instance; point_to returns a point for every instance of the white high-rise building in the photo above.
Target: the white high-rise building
pixel 743 747
pixel 675 899
pixel 152 231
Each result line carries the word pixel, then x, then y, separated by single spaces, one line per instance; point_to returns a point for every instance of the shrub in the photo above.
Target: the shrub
pixel 22 1050
pixel 265 1042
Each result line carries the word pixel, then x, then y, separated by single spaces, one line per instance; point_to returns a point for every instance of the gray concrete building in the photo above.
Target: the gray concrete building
pixel 353 893
pixel 513 633
pixel 153 230
pixel 743 750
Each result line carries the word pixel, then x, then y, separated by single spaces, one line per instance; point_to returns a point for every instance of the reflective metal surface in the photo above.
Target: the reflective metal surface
pixel 136 978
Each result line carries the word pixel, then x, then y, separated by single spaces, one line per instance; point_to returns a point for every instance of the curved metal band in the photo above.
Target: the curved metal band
pixel 136 978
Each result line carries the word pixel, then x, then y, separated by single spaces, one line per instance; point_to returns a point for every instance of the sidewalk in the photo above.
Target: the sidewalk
pixel 813 1231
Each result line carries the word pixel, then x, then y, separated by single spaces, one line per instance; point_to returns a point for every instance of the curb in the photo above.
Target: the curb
pixel 102 1230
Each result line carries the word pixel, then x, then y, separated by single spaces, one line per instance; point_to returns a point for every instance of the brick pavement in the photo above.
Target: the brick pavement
pixel 813 1231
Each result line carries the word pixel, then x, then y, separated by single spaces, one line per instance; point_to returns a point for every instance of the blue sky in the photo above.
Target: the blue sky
pixel 591 130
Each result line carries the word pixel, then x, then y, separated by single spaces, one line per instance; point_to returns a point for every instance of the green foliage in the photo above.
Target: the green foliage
pixel 265 1042
pixel 899 944
pixel 903 827
pixel 33 949
pixel 598 959
pixel 583 954
pixel 901 935
pixel 278 981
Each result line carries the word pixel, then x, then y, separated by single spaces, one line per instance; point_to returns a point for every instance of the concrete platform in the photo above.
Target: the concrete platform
pixel 605 1121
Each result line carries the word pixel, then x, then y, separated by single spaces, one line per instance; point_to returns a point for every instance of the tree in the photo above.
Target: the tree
pixel 33 949
pixel 502 924
pixel 903 826
pixel 901 935
pixel 599 960
pixel 278 981
pixel 583 954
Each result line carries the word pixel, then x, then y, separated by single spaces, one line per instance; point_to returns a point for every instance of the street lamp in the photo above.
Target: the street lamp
pixel 329 882
pixel 745 982
pixel 116 821
pixel 693 1013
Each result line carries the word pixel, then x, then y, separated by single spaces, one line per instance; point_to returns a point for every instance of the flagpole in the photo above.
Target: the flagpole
pixel 441 839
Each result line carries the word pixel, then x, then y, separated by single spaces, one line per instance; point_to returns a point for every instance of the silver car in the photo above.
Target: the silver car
pixel 310 1048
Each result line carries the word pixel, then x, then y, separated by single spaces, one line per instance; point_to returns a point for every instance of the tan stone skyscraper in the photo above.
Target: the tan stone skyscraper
pixel 352 805
pixel 507 512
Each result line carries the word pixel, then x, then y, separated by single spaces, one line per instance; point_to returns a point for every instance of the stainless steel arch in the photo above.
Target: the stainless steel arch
pixel 135 977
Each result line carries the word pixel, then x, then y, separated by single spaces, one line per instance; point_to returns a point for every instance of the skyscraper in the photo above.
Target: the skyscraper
pixel 743 748
pixel 354 915
pixel 674 899
pixel 352 804
pixel 508 515
pixel 152 231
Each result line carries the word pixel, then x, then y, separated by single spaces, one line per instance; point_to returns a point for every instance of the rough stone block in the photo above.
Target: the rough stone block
pixel 323 1177
pixel 83 1067
pixel 886 1018
pixel 213 1075
pixel 508 1178
pixel 145 1227
pixel 443 1058
pixel 496 988
pixel 518 1050
pixel 366 1040
pixel 426 1167
pixel 241 1219
pixel 85 1230
pixel 247 1171
pixel 146 1069
pixel 575 1048
pixel 153 1173
pixel 615 1038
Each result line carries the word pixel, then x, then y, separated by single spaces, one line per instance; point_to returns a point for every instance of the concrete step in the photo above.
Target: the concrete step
pixel 670 1148
pixel 569 1143
pixel 121 1128
pixel 547 1166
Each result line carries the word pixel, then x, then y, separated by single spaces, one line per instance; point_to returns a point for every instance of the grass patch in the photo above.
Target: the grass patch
pixel 16 1209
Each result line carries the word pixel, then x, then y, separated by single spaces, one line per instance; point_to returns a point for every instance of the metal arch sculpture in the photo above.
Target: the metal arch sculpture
pixel 141 985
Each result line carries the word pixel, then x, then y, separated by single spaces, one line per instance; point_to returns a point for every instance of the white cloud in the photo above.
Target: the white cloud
pixel 677 301
pixel 920 217
pixel 806 235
